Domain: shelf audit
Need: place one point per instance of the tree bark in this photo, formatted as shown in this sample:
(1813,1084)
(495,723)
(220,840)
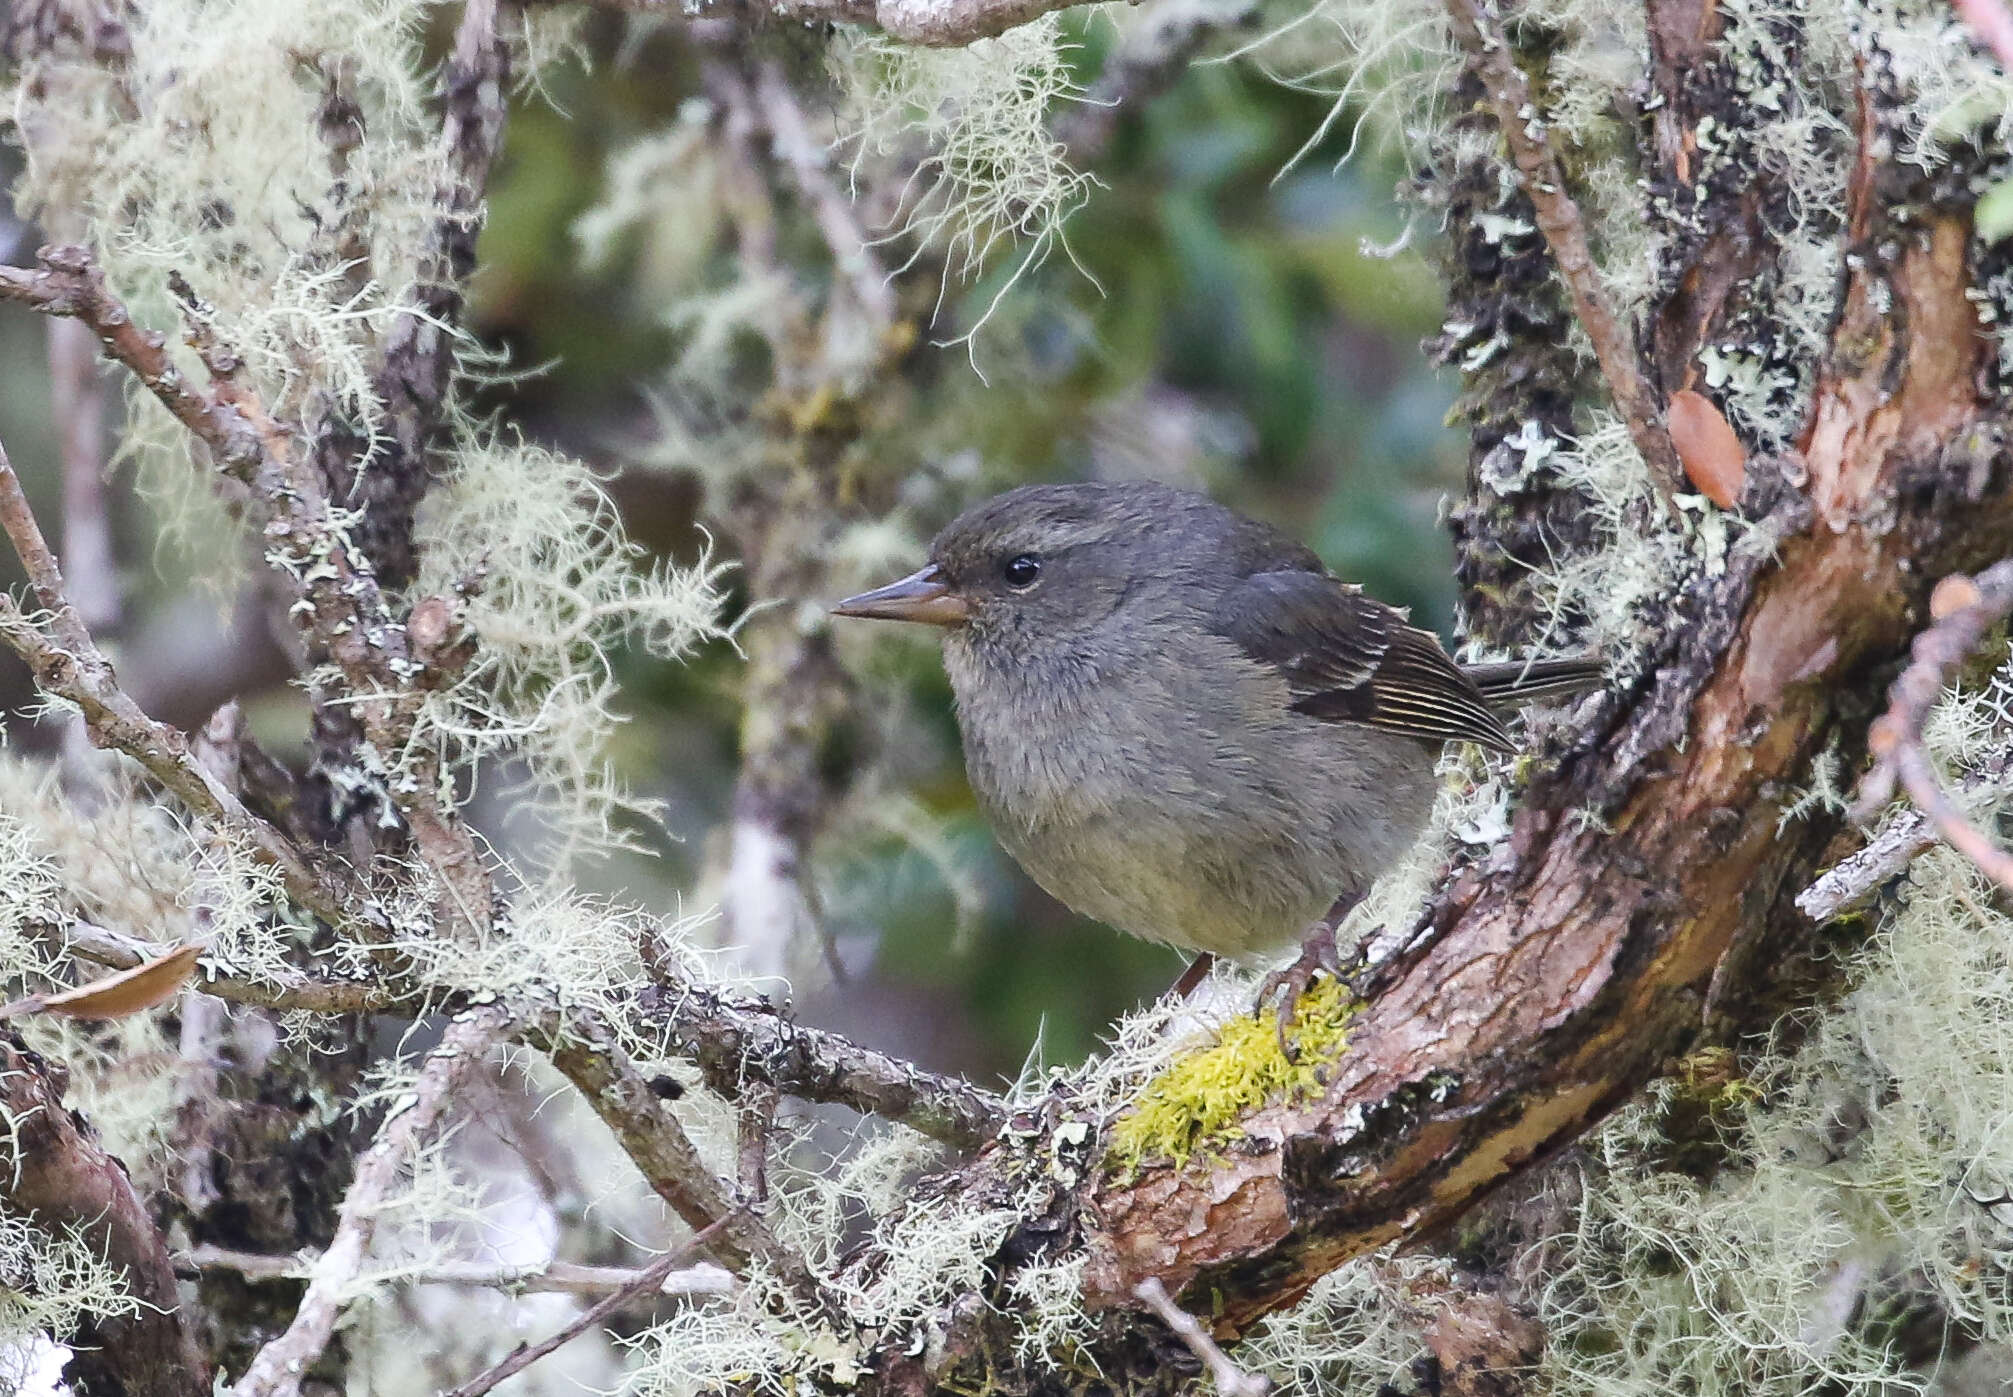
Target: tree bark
(65,1182)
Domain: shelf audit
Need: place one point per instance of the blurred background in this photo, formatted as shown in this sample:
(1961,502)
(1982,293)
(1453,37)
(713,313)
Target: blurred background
(1225,318)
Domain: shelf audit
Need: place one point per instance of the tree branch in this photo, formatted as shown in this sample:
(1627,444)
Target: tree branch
(1965,609)
(419,352)
(53,1171)
(584,1048)
(554,1278)
(280,1366)
(342,609)
(733,1042)
(70,666)
(1523,128)
(1860,875)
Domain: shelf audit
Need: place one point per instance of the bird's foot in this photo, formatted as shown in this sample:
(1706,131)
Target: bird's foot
(1319,955)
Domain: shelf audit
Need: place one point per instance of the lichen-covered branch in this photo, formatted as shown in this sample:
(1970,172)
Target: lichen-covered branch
(284,1362)
(1522,124)
(582,1046)
(419,352)
(67,663)
(53,1170)
(735,1041)
(344,611)
(1965,608)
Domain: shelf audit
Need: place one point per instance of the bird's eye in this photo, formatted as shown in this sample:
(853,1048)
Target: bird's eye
(1022,570)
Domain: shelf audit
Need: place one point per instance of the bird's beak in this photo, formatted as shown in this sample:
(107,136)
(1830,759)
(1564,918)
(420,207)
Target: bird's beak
(921,596)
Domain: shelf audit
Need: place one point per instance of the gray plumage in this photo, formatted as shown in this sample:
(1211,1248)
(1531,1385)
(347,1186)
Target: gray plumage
(1179,722)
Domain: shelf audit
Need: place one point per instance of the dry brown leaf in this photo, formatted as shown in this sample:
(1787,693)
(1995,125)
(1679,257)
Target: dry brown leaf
(1952,595)
(129,991)
(1713,458)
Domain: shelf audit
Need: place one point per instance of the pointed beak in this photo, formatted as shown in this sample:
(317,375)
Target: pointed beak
(921,596)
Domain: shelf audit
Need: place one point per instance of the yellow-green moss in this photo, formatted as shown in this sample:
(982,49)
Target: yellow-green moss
(1197,1103)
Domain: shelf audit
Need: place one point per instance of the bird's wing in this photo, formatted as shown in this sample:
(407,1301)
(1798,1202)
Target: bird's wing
(1350,658)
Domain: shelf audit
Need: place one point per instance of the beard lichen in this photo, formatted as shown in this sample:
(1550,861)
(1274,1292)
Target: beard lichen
(1196,1102)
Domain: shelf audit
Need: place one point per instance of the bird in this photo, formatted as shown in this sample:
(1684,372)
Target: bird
(1180,723)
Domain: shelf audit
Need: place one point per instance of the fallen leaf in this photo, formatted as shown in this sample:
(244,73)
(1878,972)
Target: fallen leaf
(129,991)
(1713,458)
(1952,595)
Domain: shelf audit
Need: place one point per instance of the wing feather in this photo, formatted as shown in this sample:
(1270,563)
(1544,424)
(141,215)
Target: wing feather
(1352,659)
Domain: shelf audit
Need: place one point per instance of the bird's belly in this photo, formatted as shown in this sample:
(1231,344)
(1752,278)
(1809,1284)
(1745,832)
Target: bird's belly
(1166,890)
(1212,818)
(1215,865)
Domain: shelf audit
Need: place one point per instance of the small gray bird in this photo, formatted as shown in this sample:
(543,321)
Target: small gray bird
(1181,724)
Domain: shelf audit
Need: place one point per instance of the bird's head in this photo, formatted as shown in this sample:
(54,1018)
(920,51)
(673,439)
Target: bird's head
(1045,565)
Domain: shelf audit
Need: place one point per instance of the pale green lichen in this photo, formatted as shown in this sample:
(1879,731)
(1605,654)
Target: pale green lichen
(555,587)
(49,1282)
(988,176)
(1357,1328)
(30,894)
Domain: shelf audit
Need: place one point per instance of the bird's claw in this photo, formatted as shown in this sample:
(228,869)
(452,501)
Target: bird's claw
(1318,954)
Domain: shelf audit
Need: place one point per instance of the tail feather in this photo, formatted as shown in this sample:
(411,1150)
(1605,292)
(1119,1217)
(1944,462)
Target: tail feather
(1514,683)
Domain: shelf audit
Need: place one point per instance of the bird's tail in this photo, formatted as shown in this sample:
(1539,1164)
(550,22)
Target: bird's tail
(1514,683)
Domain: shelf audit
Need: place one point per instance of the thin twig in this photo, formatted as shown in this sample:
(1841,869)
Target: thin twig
(1964,608)
(650,1279)
(1558,218)
(555,1277)
(67,663)
(1230,1380)
(278,1368)
(585,1048)
(67,282)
